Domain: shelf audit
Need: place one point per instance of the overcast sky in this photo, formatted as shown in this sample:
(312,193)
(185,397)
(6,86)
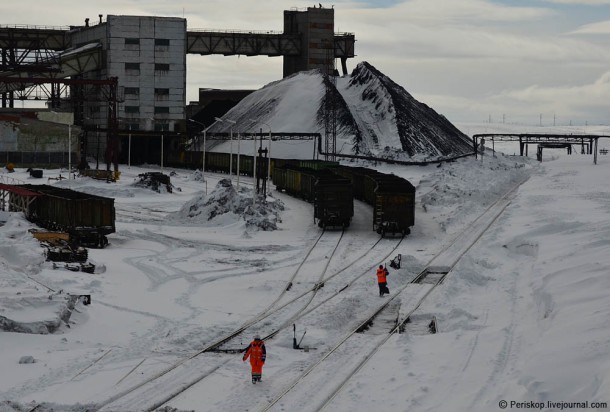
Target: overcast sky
(471,60)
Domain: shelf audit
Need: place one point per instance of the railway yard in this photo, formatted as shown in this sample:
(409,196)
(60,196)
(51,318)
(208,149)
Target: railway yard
(181,296)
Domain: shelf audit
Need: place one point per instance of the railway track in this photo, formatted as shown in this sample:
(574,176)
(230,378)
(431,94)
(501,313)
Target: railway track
(139,215)
(305,310)
(163,386)
(183,374)
(353,351)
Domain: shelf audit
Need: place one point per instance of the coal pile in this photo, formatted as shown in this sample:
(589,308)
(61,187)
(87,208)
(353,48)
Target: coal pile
(156,181)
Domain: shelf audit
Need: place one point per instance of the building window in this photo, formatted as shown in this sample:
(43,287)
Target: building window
(132,40)
(132,109)
(162,67)
(161,109)
(162,92)
(161,42)
(133,126)
(132,90)
(161,127)
(132,66)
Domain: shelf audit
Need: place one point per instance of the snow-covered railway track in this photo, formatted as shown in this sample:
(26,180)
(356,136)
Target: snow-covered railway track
(131,215)
(343,357)
(178,378)
(305,309)
(141,396)
(292,278)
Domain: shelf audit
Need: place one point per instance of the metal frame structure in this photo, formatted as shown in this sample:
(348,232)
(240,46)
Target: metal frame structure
(34,59)
(82,91)
(590,141)
(230,43)
(330,107)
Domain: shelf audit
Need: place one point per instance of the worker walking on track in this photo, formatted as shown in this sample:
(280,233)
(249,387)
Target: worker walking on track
(257,353)
(382,281)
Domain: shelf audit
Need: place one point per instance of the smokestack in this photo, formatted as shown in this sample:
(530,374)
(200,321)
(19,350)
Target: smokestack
(87,22)
(100,18)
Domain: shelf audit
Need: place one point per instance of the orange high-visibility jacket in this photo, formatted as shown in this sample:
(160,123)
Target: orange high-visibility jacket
(256,351)
(381,276)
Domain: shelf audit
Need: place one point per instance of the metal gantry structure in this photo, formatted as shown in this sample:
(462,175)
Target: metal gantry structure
(330,107)
(588,142)
(34,59)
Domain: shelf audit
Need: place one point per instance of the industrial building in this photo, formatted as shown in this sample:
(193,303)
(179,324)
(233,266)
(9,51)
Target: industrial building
(126,75)
(148,56)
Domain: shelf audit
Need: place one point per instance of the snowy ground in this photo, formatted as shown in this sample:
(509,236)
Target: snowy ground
(523,318)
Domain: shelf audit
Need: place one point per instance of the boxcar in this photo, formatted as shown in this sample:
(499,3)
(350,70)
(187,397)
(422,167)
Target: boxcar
(87,218)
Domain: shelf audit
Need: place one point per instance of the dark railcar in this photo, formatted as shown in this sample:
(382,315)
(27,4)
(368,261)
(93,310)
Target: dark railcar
(392,198)
(331,194)
(221,162)
(87,218)
(296,181)
(394,209)
(334,200)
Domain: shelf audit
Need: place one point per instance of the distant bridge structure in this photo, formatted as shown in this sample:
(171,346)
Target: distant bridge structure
(588,142)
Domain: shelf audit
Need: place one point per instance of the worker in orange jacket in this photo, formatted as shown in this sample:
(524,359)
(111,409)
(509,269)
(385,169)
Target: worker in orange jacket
(382,281)
(257,353)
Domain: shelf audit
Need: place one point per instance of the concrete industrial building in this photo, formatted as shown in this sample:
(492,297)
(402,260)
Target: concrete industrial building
(147,56)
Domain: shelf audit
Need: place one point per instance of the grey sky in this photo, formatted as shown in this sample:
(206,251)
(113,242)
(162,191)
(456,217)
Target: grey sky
(470,60)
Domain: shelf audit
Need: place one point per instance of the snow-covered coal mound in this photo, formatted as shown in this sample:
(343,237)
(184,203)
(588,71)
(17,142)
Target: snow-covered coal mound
(226,205)
(374,115)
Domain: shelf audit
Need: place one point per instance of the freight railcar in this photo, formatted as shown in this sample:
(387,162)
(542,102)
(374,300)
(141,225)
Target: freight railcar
(87,218)
(331,194)
(333,199)
(221,162)
(392,198)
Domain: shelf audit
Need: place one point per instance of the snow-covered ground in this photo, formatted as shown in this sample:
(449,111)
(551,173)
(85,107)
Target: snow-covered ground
(522,318)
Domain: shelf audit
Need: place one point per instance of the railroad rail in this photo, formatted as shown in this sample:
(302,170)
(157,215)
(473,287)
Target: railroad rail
(194,368)
(415,292)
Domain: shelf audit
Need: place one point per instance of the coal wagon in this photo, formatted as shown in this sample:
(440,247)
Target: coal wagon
(333,199)
(87,218)
(331,194)
(392,198)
